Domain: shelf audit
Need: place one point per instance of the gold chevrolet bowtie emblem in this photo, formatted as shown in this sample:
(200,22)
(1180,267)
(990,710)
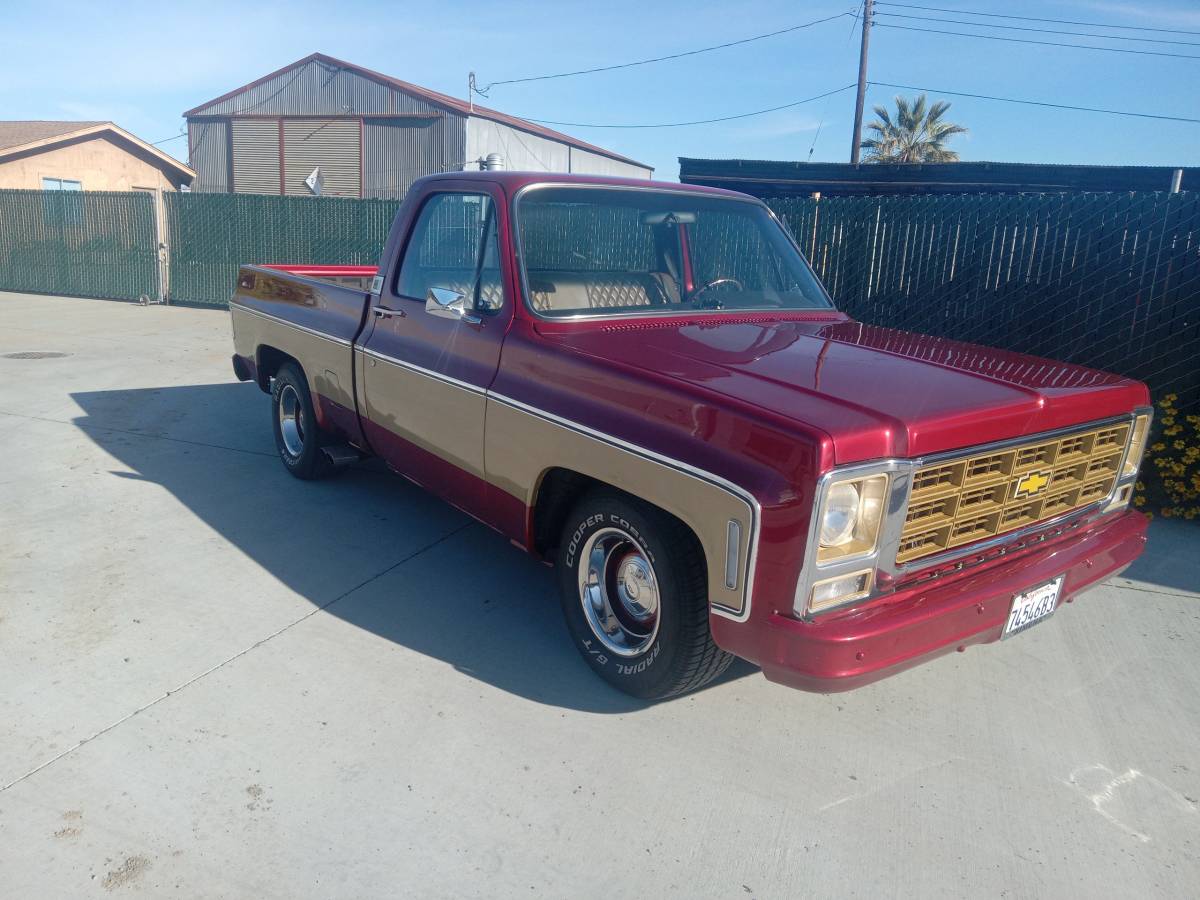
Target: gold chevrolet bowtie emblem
(1029,485)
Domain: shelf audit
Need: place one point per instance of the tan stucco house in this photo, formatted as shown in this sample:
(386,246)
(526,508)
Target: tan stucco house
(85,156)
(97,156)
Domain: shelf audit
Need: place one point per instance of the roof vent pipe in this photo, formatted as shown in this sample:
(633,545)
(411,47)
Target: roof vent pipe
(493,162)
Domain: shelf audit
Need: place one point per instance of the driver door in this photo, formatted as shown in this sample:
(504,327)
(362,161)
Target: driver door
(434,345)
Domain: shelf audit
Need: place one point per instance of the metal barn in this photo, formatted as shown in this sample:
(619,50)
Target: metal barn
(324,126)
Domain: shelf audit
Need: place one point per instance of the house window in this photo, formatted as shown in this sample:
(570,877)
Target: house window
(59,208)
(61,184)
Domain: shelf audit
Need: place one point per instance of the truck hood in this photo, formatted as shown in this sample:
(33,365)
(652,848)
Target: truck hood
(875,392)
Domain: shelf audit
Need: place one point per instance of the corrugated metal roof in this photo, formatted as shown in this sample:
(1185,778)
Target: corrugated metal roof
(439,100)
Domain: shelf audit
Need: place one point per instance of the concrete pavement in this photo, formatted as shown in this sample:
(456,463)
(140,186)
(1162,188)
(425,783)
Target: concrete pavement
(218,681)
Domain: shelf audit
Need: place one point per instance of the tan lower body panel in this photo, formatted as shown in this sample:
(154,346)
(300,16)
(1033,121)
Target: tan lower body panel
(519,445)
(435,415)
(326,361)
(522,445)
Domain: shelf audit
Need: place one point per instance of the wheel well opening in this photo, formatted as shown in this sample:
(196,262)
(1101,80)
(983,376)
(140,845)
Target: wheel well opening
(557,493)
(270,360)
(559,490)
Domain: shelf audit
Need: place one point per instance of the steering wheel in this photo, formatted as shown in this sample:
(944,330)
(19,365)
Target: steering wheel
(714,283)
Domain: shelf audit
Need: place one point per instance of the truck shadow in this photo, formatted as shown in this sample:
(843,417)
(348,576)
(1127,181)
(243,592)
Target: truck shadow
(367,547)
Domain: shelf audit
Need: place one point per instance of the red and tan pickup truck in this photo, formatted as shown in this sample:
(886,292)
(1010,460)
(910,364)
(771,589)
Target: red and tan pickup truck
(647,386)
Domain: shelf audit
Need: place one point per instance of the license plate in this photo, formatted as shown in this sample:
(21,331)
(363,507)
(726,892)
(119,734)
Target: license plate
(1032,606)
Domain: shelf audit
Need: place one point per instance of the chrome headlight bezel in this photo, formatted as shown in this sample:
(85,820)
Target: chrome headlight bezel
(894,476)
(1131,459)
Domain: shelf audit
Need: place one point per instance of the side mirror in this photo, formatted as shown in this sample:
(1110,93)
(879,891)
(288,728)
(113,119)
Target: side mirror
(447,304)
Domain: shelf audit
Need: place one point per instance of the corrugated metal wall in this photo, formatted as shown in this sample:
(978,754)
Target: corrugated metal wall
(208,152)
(525,152)
(333,145)
(522,151)
(256,156)
(422,139)
(396,152)
(588,163)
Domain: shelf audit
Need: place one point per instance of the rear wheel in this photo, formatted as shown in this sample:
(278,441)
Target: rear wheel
(633,584)
(297,436)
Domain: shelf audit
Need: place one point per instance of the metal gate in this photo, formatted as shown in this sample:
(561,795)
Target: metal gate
(78,243)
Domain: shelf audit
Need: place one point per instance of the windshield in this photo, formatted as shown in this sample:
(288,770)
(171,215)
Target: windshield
(589,251)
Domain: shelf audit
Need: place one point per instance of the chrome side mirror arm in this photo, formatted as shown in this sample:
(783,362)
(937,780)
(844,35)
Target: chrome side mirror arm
(449,304)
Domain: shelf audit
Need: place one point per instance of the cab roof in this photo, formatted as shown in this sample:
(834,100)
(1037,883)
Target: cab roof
(513,181)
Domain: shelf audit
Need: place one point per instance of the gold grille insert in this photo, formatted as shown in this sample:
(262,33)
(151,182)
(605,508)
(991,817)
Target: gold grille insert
(987,494)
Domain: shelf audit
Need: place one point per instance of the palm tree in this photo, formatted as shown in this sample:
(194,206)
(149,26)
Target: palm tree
(915,135)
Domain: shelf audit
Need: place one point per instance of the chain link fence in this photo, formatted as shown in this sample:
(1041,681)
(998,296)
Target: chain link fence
(78,243)
(211,235)
(1110,281)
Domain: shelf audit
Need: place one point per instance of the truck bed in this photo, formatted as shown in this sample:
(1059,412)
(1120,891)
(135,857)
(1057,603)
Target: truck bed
(312,314)
(347,276)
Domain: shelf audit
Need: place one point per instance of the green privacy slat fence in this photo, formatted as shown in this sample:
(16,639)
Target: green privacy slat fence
(1104,280)
(210,235)
(78,243)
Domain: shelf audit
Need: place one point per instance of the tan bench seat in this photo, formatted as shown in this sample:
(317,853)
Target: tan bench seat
(566,291)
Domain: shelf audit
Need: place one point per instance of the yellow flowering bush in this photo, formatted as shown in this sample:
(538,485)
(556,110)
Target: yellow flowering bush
(1171,471)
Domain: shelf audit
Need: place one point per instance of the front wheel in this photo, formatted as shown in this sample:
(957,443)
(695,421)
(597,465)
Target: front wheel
(634,590)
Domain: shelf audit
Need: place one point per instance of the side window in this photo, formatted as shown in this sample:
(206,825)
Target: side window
(453,245)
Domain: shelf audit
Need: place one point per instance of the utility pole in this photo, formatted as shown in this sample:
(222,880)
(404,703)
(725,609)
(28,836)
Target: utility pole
(868,10)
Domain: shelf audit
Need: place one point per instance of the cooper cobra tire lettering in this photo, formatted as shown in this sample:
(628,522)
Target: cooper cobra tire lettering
(675,652)
(573,544)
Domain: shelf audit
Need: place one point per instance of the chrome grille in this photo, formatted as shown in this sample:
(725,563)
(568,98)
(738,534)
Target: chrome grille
(994,492)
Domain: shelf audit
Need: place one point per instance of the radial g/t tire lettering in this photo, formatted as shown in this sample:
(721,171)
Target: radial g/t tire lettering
(633,585)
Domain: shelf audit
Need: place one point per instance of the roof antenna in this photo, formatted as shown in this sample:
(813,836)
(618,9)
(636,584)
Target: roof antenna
(471,91)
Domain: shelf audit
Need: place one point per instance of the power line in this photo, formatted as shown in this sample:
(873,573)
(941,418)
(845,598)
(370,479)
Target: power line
(176,137)
(968,12)
(644,62)
(993,37)
(1102,37)
(1093,109)
(758,112)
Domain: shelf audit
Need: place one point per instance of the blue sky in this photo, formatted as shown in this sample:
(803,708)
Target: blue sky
(142,64)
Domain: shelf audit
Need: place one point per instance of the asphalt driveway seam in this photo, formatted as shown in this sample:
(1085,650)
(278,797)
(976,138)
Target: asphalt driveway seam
(308,615)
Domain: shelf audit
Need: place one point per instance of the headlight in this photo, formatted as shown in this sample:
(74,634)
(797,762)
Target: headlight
(850,517)
(1137,445)
(840,515)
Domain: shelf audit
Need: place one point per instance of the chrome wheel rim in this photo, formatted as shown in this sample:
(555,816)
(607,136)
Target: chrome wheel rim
(619,592)
(291,421)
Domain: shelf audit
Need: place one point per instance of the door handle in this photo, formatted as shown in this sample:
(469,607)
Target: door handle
(385,312)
